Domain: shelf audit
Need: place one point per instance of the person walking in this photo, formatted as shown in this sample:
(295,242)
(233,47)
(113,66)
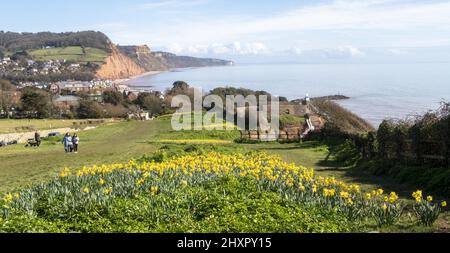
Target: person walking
(76,141)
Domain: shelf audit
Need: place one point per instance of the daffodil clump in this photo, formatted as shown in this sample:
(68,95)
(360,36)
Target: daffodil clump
(194,141)
(425,209)
(89,188)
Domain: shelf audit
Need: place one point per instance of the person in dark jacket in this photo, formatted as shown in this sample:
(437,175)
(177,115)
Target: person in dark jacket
(37,138)
(75,141)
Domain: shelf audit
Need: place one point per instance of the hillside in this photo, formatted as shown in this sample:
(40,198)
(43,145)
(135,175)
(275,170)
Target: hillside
(92,53)
(14,42)
(175,61)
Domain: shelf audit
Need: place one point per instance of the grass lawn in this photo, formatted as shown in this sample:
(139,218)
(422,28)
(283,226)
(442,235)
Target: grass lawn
(75,54)
(122,141)
(28,125)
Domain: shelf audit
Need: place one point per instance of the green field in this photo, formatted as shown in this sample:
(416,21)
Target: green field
(72,54)
(119,142)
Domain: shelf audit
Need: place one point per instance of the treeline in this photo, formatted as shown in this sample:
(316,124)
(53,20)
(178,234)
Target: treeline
(422,141)
(13,42)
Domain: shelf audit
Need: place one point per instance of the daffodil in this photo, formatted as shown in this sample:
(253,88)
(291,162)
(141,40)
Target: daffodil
(393,197)
(8,197)
(154,190)
(444,204)
(65,173)
(107,191)
(430,199)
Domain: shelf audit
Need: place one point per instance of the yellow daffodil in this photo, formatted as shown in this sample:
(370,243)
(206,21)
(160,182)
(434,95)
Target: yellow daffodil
(154,190)
(393,197)
(107,191)
(8,197)
(65,173)
(430,199)
(344,195)
(444,204)
(86,190)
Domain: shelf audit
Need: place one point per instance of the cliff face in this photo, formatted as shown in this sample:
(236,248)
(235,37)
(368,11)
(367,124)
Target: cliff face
(119,66)
(128,61)
(143,56)
(175,61)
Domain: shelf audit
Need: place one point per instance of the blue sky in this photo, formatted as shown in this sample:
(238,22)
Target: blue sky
(284,30)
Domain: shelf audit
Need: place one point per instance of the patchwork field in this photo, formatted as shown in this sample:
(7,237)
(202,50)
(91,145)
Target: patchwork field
(73,54)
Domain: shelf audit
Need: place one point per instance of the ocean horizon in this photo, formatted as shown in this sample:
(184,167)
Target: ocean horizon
(376,91)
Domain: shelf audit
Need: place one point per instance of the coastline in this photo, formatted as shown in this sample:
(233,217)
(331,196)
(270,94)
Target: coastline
(150,73)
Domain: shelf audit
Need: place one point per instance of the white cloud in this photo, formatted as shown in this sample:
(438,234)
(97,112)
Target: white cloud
(343,52)
(371,15)
(175,48)
(235,48)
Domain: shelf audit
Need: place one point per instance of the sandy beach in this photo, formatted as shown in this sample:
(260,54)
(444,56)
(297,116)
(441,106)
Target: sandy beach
(150,73)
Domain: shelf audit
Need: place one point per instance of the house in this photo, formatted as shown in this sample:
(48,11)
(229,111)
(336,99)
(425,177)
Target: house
(75,86)
(6,60)
(144,116)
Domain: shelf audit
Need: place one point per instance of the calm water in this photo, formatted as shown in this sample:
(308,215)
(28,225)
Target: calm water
(377,91)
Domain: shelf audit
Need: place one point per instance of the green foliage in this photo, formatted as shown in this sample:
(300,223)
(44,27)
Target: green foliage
(113,97)
(225,204)
(426,212)
(387,214)
(36,102)
(25,41)
(151,102)
(88,109)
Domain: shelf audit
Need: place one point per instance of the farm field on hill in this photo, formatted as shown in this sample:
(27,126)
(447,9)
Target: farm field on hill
(73,54)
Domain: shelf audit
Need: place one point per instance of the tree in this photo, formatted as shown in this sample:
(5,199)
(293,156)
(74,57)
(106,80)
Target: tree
(36,102)
(6,96)
(283,99)
(384,138)
(89,110)
(113,97)
(150,102)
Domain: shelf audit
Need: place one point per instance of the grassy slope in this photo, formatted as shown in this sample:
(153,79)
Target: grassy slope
(116,142)
(75,54)
(120,142)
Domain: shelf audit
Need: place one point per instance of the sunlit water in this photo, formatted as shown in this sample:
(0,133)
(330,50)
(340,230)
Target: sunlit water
(377,91)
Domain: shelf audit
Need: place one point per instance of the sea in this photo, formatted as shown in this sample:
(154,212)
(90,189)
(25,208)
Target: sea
(376,91)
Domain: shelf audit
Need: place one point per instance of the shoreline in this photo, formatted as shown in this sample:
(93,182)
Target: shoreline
(150,73)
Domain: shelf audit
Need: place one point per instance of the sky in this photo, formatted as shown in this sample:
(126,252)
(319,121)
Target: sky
(254,30)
